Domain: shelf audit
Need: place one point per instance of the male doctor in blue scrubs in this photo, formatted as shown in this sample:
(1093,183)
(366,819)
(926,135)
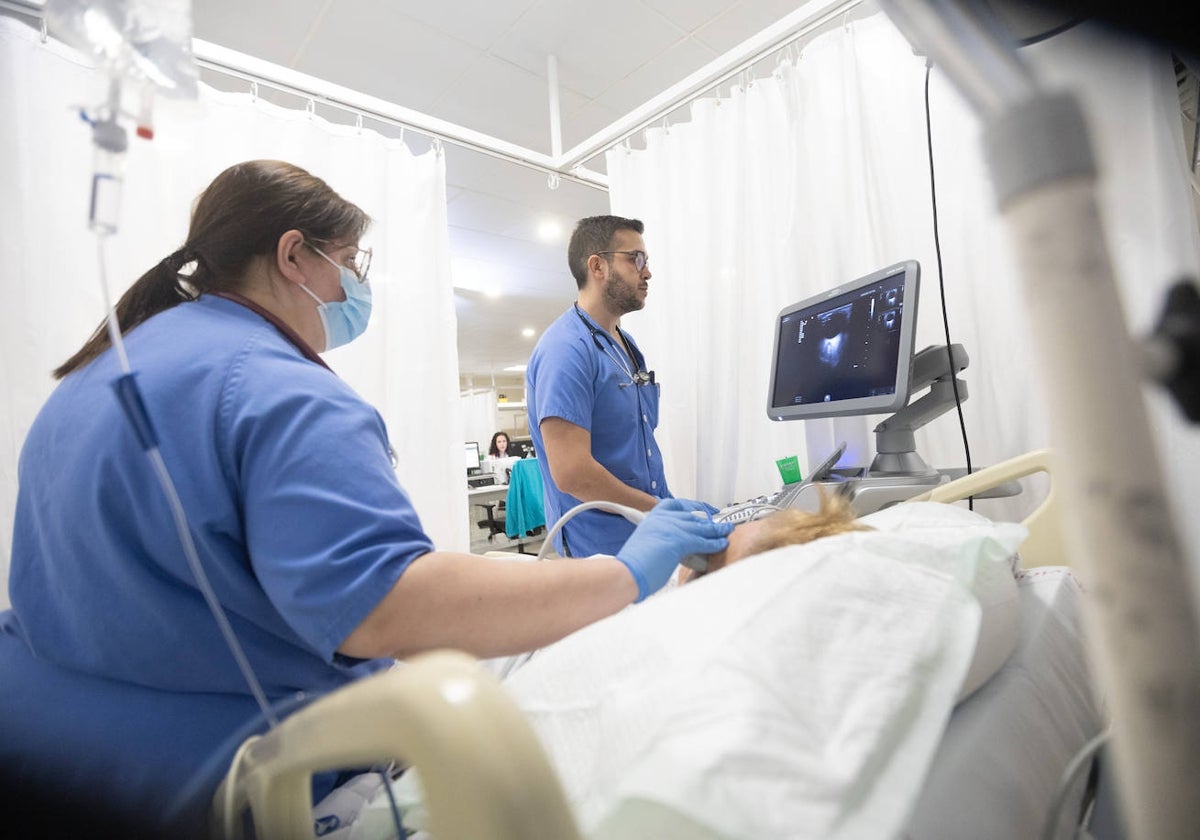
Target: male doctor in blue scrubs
(593,404)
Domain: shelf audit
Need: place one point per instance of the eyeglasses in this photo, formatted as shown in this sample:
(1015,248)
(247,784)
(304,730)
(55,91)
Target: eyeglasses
(360,264)
(640,260)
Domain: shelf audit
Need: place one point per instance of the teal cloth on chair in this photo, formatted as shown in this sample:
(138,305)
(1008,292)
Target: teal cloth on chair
(524,508)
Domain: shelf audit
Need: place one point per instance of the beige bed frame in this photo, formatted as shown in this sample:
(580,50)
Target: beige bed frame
(484,774)
(1044,546)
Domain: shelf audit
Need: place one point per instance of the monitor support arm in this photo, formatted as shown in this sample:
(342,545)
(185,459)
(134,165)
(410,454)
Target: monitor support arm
(895,442)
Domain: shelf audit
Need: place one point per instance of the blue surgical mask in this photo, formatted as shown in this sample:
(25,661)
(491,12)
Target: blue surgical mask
(344,320)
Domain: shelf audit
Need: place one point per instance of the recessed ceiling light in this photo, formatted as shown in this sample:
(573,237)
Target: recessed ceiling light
(515,369)
(528,332)
(549,231)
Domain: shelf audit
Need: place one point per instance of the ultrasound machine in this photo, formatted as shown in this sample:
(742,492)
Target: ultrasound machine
(850,351)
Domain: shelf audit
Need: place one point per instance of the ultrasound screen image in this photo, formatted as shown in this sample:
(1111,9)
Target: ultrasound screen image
(841,349)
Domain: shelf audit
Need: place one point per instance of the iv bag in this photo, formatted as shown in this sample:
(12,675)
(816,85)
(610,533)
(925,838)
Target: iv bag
(146,41)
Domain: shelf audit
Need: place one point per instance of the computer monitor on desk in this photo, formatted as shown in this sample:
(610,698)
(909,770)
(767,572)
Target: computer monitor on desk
(850,351)
(471,457)
(519,447)
(500,467)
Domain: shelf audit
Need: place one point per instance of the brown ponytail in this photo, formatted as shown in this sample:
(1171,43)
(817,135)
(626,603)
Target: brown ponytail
(155,291)
(239,216)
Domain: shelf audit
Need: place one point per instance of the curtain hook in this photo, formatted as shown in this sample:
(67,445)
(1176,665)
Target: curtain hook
(45,31)
(253,91)
(311,108)
(358,122)
(783,60)
(846,21)
(437,146)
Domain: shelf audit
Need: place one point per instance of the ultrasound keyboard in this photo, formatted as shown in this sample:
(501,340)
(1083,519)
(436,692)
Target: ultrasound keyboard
(782,499)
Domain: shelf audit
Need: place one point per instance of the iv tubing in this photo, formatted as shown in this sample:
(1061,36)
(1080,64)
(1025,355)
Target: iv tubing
(172,496)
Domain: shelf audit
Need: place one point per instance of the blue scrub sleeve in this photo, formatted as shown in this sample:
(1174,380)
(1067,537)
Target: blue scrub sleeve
(563,377)
(328,528)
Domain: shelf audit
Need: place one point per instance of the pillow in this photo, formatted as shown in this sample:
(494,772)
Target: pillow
(807,686)
(991,579)
(799,693)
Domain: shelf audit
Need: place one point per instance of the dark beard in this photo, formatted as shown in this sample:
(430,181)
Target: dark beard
(619,297)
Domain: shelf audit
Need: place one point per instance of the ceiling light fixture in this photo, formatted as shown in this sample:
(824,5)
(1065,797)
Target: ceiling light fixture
(528,332)
(549,231)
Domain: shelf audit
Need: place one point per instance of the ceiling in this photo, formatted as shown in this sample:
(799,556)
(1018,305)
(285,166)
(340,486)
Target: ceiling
(483,65)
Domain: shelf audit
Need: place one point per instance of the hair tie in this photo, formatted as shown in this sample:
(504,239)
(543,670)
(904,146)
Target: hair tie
(179,258)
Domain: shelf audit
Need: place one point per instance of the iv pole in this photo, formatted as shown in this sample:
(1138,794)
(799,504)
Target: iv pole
(1142,632)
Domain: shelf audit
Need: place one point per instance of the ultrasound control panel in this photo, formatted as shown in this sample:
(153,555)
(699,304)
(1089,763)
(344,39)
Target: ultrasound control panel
(865,492)
(790,495)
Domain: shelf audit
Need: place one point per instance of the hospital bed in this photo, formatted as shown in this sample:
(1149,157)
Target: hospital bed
(484,773)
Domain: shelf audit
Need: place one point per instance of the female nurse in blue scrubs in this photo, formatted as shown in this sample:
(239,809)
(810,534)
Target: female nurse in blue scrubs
(116,687)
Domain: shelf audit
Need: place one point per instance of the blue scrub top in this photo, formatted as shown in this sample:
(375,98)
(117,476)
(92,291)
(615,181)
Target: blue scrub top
(285,475)
(585,378)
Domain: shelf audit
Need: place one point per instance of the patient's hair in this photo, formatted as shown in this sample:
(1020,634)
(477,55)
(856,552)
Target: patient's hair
(788,527)
(793,527)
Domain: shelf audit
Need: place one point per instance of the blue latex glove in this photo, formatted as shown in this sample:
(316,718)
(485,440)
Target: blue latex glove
(694,504)
(672,530)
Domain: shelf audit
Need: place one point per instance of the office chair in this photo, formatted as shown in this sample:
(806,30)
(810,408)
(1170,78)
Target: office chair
(495,518)
(495,513)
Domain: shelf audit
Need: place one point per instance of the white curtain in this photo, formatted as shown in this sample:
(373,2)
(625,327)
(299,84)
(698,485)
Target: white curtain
(481,417)
(819,174)
(406,364)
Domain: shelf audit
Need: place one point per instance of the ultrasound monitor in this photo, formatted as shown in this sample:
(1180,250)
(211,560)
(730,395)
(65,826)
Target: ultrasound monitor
(848,350)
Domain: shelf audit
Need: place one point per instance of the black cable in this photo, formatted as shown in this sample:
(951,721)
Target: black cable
(397,821)
(1051,32)
(937,245)
(1196,132)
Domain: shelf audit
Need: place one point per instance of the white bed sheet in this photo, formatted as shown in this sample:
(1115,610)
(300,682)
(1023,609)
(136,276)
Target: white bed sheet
(1005,747)
(800,694)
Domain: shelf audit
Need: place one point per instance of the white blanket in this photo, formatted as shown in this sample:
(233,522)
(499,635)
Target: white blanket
(798,694)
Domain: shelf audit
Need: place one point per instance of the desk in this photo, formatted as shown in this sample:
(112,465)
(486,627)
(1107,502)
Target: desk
(524,510)
(491,493)
(481,539)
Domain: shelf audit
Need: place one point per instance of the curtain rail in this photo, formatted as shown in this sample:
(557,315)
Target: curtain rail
(568,166)
(230,63)
(247,68)
(804,20)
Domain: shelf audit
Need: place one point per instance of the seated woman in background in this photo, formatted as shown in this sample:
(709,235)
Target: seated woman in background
(499,459)
(499,445)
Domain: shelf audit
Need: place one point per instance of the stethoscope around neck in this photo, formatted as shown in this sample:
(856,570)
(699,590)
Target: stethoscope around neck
(641,376)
